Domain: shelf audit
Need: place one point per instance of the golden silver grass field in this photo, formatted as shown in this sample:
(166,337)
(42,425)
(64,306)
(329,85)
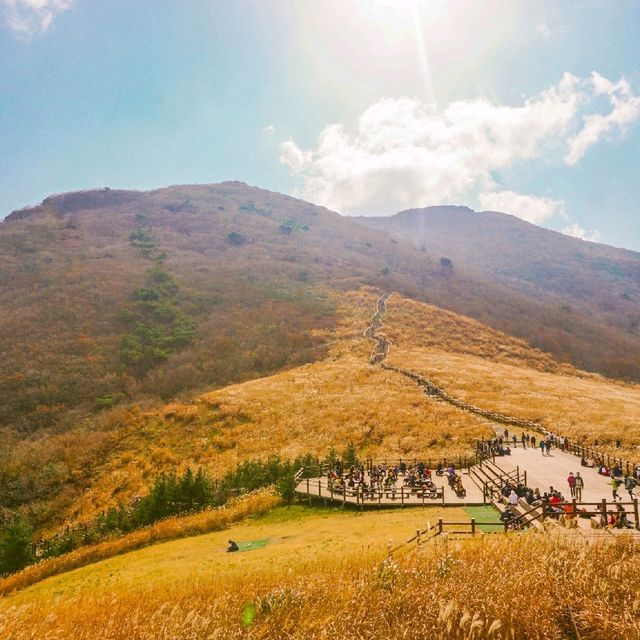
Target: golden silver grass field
(440,590)
(319,320)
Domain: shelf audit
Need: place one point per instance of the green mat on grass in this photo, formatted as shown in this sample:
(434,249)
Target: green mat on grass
(485,514)
(253,544)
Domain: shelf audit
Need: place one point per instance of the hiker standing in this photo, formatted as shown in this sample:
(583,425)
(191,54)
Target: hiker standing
(571,481)
(630,485)
(579,486)
(542,447)
(615,483)
(515,440)
(524,440)
(533,441)
(547,446)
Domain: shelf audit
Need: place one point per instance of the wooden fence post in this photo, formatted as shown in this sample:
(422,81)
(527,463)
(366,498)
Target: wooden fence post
(635,513)
(473,526)
(603,507)
(402,495)
(440,525)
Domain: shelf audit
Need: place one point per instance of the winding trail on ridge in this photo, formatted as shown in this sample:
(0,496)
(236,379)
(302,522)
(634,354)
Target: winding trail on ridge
(380,351)
(542,471)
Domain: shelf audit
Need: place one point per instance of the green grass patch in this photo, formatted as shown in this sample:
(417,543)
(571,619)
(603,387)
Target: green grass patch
(485,514)
(251,545)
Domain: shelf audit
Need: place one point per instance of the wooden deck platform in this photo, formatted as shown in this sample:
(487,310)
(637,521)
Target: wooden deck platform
(318,487)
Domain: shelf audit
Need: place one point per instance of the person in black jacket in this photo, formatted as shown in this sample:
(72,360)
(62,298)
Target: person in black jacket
(233,546)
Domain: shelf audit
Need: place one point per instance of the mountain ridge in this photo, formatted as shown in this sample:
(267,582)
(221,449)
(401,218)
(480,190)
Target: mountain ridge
(217,246)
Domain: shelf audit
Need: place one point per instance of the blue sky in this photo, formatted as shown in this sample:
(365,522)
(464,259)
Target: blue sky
(367,106)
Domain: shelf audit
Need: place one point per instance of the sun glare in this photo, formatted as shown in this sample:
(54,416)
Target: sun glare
(411,17)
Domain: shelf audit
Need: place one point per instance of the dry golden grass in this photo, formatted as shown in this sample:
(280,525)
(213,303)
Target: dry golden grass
(501,374)
(416,325)
(342,398)
(312,408)
(297,536)
(446,590)
(168,529)
(326,576)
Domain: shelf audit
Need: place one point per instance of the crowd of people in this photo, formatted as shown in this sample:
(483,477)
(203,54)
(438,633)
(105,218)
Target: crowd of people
(502,444)
(418,479)
(388,479)
(557,506)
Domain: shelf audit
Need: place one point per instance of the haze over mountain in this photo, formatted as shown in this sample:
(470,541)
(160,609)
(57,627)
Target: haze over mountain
(577,277)
(109,295)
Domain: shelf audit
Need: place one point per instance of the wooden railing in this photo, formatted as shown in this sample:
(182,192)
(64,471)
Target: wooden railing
(469,527)
(492,480)
(608,460)
(542,511)
(579,450)
(313,488)
(601,509)
(459,462)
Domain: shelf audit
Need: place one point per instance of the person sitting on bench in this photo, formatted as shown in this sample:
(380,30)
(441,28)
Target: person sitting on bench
(507,516)
(622,522)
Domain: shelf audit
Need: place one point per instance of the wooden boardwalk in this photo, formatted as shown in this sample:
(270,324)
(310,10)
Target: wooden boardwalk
(399,496)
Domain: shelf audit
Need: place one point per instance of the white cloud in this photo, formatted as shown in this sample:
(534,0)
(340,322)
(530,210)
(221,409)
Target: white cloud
(625,109)
(530,208)
(269,131)
(403,153)
(576,231)
(27,18)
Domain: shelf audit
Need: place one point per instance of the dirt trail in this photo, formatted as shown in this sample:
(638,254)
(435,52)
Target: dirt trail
(380,342)
(379,354)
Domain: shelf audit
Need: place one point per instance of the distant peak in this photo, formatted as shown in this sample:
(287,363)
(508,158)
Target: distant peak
(442,208)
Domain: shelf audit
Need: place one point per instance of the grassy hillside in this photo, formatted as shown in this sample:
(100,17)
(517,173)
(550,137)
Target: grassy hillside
(112,296)
(326,575)
(325,405)
(310,409)
(592,291)
(236,306)
(501,374)
(296,535)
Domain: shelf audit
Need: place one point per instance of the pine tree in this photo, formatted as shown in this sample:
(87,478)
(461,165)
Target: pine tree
(16,551)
